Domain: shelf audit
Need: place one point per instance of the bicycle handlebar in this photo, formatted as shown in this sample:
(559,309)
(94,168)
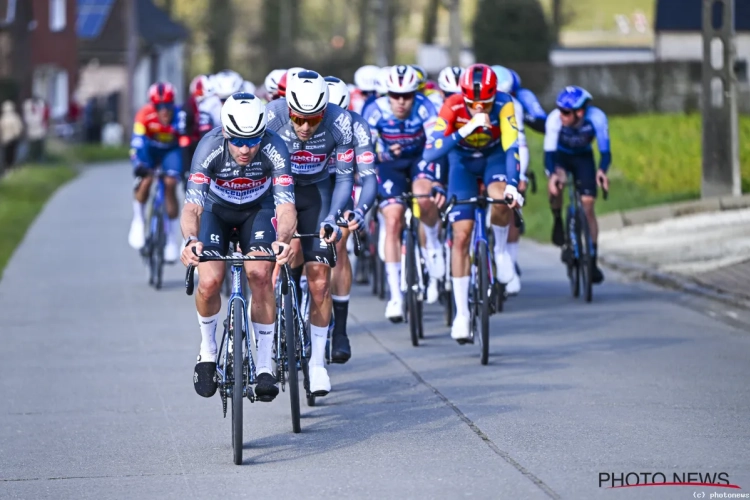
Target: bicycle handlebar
(518,219)
(190,275)
(357,241)
(327,232)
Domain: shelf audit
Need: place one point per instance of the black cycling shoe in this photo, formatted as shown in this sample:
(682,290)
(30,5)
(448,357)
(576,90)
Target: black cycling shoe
(558,235)
(204,378)
(265,388)
(567,256)
(341,351)
(597,276)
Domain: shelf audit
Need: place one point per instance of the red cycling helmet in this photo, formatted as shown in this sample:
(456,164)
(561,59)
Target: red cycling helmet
(161,93)
(479,83)
(282,86)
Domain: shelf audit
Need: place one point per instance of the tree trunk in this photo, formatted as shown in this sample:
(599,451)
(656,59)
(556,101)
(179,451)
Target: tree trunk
(557,19)
(456,33)
(220,27)
(364,28)
(430,22)
(383,33)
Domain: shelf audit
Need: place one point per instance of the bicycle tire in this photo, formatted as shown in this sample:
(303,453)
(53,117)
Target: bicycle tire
(586,262)
(290,335)
(237,385)
(420,319)
(448,306)
(411,296)
(574,274)
(157,250)
(483,286)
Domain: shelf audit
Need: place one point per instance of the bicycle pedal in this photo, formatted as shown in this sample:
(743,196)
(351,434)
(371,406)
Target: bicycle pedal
(464,341)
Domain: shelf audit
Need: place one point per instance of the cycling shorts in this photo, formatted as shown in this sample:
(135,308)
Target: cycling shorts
(256,226)
(583,168)
(464,171)
(313,203)
(170,160)
(396,177)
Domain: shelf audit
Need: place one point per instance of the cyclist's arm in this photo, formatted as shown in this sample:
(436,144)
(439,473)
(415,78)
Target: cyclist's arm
(509,139)
(551,136)
(443,137)
(139,141)
(364,154)
(534,114)
(190,219)
(371,113)
(523,149)
(601,125)
(344,151)
(277,155)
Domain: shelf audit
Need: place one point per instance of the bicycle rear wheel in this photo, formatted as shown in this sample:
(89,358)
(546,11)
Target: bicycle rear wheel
(239,379)
(411,295)
(158,241)
(586,262)
(483,288)
(574,271)
(290,334)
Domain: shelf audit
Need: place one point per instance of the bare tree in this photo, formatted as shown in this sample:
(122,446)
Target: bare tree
(429,29)
(220,26)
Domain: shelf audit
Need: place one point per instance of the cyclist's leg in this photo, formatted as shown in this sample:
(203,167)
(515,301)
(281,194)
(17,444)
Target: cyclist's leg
(555,204)
(172,166)
(422,182)
(584,168)
(142,168)
(213,234)
(394,181)
(462,184)
(341,287)
(500,219)
(317,198)
(256,236)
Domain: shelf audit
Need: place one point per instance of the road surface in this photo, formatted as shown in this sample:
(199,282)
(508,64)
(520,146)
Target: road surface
(97,398)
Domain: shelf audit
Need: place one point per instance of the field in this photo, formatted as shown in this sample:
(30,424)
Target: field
(656,159)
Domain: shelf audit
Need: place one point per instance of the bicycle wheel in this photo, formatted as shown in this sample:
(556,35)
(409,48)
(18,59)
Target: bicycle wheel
(483,288)
(226,285)
(290,335)
(448,306)
(586,262)
(239,379)
(574,274)
(157,250)
(411,294)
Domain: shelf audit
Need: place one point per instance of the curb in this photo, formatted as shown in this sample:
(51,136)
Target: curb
(674,282)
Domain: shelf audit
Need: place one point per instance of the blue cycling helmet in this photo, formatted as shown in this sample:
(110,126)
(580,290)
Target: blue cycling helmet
(504,79)
(573,98)
(516,81)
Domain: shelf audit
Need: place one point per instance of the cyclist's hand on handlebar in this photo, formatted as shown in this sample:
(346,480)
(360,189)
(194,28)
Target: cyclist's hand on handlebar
(552,185)
(286,255)
(395,150)
(511,192)
(188,257)
(356,222)
(602,179)
(438,195)
(335,234)
(522,185)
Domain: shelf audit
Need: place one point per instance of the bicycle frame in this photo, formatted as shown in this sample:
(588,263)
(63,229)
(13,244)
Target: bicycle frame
(575,208)
(157,199)
(479,236)
(412,211)
(298,317)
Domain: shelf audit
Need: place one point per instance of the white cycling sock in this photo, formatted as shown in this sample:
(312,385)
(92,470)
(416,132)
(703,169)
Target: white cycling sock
(501,238)
(461,294)
(173,227)
(431,235)
(319,336)
(513,251)
(138,210)
(264,339)
(393,272)
(208,334)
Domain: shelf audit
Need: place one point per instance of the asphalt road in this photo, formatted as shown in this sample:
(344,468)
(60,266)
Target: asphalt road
(96,398)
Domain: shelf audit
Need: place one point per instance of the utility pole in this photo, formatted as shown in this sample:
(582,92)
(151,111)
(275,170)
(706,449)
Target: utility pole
(131,44)
(456,32)
(721,162)
(285,33)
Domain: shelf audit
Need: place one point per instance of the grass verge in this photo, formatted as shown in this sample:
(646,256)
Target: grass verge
(23,193)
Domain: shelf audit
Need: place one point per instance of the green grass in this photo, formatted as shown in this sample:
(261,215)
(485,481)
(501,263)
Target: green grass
(23,193)
(656,159)
(95,153)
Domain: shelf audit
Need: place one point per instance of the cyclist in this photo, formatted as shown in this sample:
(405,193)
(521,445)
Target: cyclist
(240,178)
(533,113)
(341,279)
(571,128)
(426,89)
(226,83)
(448,81)
(478,131)
(287,76)
(400,123)
(271,83)
(381,88)
(156,140)
(313,132)
(366,80)
(248,87)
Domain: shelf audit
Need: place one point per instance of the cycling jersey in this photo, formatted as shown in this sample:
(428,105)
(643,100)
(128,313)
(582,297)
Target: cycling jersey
(577,140)
(411,133)
(533,113)
(435,97)
(216,180)
(523,149)
(154,143)
(210,114)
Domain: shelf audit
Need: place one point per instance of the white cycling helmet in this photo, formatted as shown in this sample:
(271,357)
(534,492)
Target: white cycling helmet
(338,92)
(380,85)
(504,78)
(449,78)
(226,83)
(307,93)
(248,87)
(366,78)
(272,81)
(243,116)
(402,79)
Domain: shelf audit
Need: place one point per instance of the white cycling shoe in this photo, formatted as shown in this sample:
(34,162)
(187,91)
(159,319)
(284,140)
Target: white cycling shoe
(171,251)
(514,285)
(137,235)
(460,329)
(432,291)
(505,268)
(320,383)
(394,310)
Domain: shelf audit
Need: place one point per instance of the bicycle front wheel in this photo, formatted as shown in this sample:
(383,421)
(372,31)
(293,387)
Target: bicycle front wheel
(483,288)
(237,315)
(290,334)
(411,294)
(586,261)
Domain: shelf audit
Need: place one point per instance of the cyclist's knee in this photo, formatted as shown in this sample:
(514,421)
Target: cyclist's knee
(209,284)
(318,282)
(392,222)
(461,237)
(259,278)
(170,182)
(588,205)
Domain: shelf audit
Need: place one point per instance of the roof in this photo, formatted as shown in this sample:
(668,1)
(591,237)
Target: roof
(154,25)
(687,15)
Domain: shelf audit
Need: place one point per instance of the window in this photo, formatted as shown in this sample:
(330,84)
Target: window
(57,20)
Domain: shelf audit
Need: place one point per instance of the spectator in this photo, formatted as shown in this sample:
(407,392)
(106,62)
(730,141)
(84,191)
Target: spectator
(11,130)
(35,116)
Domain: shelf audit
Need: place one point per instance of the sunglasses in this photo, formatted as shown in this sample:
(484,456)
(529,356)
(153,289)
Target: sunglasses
(164,105)
(241,141)
(479,105)
(406,97)
(310,120)
(566,112)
